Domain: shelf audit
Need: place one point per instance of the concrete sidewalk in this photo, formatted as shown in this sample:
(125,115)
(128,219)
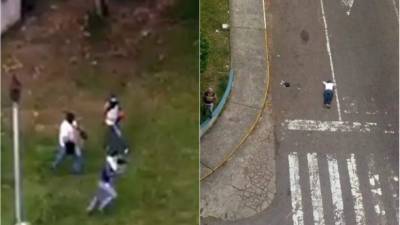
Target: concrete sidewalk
(246,184)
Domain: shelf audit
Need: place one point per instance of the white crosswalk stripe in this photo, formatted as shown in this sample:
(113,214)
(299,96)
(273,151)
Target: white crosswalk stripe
(315,185)
(336,189)
(297,208)
(376,192)
(394,187)
(355,191)
(337,199)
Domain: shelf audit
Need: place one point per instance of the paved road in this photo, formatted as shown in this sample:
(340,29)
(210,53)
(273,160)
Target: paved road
(334,166)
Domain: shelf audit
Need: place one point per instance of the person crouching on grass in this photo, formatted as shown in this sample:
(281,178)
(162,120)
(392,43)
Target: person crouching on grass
(70,135)
(106,192)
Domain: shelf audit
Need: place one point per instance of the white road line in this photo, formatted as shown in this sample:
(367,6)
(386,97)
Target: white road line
(328,48)
(376,191)
(315,185)
(331,126)
(395,9)
(265,19)
(336,190)
(297,207)
(355,191)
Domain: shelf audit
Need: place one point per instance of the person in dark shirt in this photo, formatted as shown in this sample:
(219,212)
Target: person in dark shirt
(209,99)
(106,192)
(114,140)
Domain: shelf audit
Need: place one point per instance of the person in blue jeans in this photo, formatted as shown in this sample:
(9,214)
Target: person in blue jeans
(106,192)
(328,93)
(69,136)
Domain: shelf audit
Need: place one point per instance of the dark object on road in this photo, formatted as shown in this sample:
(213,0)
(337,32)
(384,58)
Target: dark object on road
(285,83)
(304,36)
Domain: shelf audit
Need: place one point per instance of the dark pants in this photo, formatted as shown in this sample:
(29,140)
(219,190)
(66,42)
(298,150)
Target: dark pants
(103,197)
(77,155)
(208,108)
(114,140)
(328,95)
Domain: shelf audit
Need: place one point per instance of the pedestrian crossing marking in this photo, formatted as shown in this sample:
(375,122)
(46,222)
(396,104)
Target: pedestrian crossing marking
(394,187)
(337,199)
(330,126)
(315,185)
(373,178)
(355,190)
(297,208)
(376,192)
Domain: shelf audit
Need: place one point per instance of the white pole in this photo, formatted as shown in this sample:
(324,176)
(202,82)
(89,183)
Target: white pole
(15,93)
(17,168)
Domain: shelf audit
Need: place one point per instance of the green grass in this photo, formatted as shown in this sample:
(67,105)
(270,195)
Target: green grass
(161,184)
(213,14)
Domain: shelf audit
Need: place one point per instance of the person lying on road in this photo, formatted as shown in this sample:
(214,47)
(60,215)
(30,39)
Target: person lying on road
(328,92)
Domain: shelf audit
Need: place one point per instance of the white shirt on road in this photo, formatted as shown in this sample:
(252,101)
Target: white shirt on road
(329,85)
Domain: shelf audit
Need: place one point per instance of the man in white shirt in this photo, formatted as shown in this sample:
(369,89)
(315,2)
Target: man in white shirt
(328,92)
(69,143)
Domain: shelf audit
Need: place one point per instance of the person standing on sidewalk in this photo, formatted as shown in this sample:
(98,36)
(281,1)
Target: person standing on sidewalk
(328,92)
(69,143)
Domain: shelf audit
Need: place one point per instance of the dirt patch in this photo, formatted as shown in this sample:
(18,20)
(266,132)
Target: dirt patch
(52,46)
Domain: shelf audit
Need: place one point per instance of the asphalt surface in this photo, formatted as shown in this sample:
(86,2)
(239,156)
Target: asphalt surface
(364,48)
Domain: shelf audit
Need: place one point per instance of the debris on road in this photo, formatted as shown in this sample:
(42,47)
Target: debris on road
(285,83)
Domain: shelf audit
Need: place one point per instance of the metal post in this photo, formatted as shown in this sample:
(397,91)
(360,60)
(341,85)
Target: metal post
(17,173)
(15,94)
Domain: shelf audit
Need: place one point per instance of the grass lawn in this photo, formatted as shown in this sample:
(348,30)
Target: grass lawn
(213,14)
(160,99)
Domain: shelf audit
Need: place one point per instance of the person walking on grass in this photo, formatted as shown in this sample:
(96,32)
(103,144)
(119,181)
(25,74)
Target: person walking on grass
(328,92)
(106,192)
(209,98)
(113,116)
(69,138)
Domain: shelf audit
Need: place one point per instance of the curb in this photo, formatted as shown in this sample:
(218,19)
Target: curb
(206,125)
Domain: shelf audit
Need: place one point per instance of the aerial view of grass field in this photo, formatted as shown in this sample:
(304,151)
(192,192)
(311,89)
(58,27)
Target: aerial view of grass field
(69,59)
